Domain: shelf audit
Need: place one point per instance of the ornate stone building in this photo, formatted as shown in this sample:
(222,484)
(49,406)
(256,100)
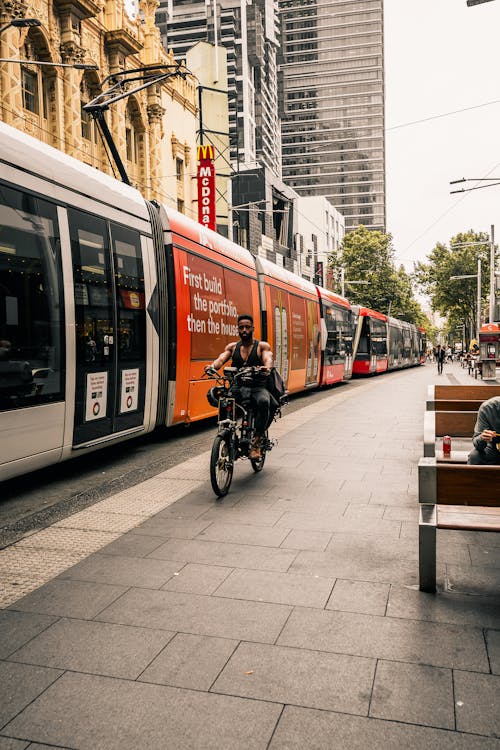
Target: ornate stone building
(154,130)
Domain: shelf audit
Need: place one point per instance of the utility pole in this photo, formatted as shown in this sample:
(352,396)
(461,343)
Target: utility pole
(478,297)
(492,275)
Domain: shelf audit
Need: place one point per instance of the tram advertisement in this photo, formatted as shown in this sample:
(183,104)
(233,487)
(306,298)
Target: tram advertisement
(217,295)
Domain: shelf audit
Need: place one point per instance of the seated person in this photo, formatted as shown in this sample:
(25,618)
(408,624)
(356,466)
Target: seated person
(245,353)
(486,439)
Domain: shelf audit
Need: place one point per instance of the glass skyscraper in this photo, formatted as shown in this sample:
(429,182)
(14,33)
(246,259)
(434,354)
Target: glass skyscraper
(332,79)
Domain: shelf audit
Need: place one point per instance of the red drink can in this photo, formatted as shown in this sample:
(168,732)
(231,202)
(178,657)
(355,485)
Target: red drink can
(446,445)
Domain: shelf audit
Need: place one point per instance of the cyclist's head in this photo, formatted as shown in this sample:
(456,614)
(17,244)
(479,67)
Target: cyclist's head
(245,327)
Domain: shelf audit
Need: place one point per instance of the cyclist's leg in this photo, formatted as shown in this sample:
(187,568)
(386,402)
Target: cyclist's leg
(261,399)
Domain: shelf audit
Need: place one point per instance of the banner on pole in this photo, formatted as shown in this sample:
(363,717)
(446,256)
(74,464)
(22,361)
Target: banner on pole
(206,187)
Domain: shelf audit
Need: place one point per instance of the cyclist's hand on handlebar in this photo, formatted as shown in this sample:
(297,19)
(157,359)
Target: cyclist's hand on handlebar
(209,370)
(265,370)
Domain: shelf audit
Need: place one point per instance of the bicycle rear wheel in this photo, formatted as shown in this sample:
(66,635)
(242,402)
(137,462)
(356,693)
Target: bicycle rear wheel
(221,465)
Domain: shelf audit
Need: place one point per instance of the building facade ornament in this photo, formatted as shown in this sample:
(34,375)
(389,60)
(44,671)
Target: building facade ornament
(48,101)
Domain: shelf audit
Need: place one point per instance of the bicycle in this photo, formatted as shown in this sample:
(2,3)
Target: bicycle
(235,426)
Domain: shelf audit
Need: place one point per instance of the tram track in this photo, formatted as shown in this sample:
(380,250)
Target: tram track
(37,500)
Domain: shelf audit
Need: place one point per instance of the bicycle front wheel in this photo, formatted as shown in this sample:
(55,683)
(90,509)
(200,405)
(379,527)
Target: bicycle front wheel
(221,465)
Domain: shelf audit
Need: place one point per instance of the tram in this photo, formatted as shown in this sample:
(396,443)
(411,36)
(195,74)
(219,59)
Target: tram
(382,343)
(111,306)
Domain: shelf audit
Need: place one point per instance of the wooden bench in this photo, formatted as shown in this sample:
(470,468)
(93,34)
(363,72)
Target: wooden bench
(439,397)
(456,424)
(453,496)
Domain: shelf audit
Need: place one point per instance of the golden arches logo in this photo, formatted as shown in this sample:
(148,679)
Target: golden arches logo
(205,152)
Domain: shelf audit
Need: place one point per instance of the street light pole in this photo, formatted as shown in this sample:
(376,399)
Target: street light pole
(478,300)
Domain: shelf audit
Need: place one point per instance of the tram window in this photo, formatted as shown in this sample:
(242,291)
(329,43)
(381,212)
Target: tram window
(31,302)
(363,345)
(129,276)
(92,279)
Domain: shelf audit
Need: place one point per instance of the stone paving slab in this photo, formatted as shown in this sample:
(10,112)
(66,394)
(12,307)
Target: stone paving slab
(94,647)
(413,693)
(281,588)
(199,615)
(132,545)
(359,596)
(124,571)
(440,645)
(10,744)
(198,579)
(306,540)
(229,555)
(449,607)
(17,628)
(76,712)
(172,528)
(306,678)
(478,699)
(378,570)
(20,684)
(70,598)
(493,645)
(190,661)
(261,536)
(301,728)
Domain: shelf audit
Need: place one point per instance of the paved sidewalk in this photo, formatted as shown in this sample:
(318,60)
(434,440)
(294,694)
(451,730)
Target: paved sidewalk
(285,616)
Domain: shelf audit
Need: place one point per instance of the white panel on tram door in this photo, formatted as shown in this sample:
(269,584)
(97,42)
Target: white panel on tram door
(110,325)
(95,376)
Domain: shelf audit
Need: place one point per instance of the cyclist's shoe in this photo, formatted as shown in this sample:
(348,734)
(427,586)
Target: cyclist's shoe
(255,447)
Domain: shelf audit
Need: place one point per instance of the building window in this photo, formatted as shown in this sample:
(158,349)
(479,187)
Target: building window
(179,169)
(131,145)
(180,205)
(87,122)
(30,91)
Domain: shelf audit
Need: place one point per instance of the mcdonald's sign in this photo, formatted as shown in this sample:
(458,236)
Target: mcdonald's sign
(206,187)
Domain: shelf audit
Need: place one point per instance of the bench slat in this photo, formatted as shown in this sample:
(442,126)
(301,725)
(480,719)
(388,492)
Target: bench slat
(465,391)
(468,518)
(458,404)
(455,423)
(470,485)
(456,457)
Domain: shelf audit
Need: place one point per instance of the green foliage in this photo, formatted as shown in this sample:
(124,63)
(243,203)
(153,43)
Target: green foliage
(456,299)
(368,255)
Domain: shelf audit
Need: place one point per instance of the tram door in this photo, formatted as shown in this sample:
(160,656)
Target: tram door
(110,327)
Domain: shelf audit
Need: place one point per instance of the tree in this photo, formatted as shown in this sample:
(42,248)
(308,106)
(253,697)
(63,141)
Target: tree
(368,255)
(456,299)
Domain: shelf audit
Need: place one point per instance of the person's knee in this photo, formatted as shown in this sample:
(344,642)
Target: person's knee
(475,458)
(482,458)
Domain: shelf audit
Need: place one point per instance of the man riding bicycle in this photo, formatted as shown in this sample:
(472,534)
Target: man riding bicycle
(249,352)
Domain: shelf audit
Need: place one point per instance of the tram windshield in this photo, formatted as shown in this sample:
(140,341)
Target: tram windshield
(31,301)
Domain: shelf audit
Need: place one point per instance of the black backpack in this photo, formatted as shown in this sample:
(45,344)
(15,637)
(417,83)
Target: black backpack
(276,387)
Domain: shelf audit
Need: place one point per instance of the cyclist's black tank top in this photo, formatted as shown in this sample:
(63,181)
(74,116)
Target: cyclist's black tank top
(253,359)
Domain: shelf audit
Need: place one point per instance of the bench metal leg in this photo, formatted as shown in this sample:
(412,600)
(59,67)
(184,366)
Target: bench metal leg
(427,547)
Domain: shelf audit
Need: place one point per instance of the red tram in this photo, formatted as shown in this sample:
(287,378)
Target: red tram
(383,343)
(111,306)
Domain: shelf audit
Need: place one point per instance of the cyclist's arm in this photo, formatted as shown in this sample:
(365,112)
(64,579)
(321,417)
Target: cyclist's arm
(224,357)
(266,355)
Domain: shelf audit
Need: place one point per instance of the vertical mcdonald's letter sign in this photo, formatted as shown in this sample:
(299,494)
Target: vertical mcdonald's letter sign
(206,187)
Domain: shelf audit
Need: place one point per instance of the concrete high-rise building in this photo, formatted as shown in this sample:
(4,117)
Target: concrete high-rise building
(249,32)
(332,67)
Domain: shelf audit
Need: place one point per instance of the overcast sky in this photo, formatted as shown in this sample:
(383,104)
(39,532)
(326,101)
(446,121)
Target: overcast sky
(440,56)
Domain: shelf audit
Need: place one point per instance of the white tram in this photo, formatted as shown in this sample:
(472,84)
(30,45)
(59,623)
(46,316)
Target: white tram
(76,256)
